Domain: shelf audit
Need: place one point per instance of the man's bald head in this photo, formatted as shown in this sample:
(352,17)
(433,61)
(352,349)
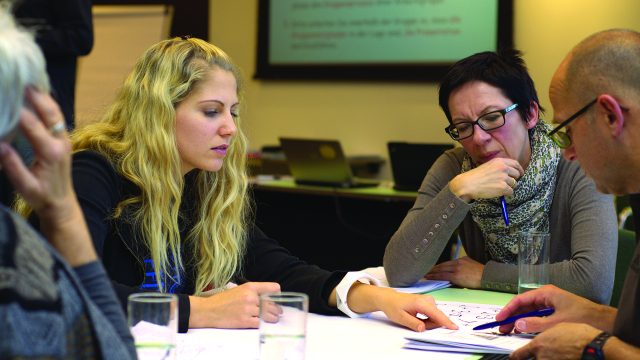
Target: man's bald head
(605,67)
(607,61)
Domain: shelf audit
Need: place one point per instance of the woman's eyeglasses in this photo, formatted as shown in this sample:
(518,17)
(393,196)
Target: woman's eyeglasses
(487,122)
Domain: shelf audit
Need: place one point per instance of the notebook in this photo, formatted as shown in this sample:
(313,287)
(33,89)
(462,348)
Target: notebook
(411,161)
(320,163)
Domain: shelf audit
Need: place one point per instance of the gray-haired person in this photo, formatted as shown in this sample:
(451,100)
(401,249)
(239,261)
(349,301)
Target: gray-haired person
(56,301)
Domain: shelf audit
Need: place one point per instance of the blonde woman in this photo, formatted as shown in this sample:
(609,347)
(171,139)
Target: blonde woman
(162,182)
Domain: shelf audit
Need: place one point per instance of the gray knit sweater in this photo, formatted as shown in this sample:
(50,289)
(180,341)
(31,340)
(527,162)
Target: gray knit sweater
(582,224)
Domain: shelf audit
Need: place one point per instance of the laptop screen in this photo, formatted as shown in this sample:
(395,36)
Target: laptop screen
(316,161)
(411,161)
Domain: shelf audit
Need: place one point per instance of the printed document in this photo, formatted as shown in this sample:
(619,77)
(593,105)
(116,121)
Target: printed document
(466,340)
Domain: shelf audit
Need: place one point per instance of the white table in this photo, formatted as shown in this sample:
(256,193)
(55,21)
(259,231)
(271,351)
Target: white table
(328,337)
(331,337)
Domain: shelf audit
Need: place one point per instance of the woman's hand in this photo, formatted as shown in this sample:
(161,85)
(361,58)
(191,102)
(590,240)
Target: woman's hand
(464,272)
(399,307)
(46,185)
(492,179)
(404,308)
(238,307)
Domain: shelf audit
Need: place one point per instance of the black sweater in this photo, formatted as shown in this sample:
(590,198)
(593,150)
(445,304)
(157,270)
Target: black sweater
(100,188)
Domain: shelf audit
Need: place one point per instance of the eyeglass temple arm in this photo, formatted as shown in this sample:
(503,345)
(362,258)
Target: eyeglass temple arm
(566,122)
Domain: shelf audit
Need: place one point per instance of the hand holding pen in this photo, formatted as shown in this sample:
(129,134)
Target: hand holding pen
(512,319)
(567,307)
(492,179)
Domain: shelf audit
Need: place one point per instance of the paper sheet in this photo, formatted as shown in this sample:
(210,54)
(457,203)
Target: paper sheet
(467,316)
(421,287)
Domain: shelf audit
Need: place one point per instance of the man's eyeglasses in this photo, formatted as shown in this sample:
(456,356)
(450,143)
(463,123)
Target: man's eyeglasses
(487,122)
(561,138)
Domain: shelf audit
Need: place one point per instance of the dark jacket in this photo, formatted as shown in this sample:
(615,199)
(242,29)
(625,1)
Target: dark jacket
(63,30)
(100,188)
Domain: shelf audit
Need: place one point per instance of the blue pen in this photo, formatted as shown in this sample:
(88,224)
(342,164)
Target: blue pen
(505,214)
(456,253)
(512,319)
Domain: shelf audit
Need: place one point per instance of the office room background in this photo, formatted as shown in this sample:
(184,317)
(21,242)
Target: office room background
(364,116)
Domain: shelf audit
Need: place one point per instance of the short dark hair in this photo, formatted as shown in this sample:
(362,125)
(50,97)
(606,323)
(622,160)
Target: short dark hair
(504,69)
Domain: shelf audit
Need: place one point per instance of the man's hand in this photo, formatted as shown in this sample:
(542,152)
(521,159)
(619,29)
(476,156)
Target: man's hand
(563,341)
(568,308)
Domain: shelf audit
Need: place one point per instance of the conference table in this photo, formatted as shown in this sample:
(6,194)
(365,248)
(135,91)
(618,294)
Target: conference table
(313,221)
(333,337)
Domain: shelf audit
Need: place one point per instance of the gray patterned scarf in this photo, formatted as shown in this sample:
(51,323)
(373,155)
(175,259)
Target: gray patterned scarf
(528,206)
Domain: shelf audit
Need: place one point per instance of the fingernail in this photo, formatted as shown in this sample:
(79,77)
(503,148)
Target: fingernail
(521,325)
(420,328)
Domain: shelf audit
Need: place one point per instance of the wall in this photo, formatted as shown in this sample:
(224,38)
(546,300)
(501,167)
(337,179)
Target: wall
(365,116)
(102,72)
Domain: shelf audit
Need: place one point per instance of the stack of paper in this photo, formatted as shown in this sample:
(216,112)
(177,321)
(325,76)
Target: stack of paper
(424,286)
(466,340)
(421,287)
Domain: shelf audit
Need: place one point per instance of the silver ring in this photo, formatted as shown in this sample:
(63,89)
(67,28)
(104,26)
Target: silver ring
(57,128)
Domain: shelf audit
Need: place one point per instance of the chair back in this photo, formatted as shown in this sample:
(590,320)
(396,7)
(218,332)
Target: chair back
(626,247)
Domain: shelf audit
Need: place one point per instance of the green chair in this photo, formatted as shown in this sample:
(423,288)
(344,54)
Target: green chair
(625,214)
(625,219)
(626,247)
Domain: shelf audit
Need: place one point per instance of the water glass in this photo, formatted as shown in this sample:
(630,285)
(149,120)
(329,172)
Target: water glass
(283,325)
(533,260)
(153,320)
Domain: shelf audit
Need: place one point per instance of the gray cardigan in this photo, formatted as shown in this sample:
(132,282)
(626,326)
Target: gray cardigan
(582,223)
(46,303)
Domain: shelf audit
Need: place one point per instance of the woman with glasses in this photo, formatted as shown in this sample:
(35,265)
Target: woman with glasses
(507,177)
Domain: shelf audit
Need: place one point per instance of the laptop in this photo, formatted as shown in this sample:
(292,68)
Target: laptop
(411,161)
(320,163)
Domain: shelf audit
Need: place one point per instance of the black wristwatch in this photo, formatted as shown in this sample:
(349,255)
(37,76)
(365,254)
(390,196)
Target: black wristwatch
(593,350)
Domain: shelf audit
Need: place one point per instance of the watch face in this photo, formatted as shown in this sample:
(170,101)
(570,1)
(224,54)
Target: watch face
(592,352)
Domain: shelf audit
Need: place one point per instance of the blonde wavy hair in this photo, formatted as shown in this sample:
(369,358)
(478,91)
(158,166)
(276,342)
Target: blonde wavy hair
(137,134)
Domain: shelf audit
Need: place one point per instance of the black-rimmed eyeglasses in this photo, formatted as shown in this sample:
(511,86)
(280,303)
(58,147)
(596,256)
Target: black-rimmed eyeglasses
(561,138)
(487,122)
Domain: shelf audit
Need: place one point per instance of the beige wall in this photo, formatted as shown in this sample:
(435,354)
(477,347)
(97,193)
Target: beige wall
(364,116)
(115,50)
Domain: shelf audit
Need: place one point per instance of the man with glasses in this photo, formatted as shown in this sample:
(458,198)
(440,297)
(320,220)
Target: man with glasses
(603,72)
(493,111)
